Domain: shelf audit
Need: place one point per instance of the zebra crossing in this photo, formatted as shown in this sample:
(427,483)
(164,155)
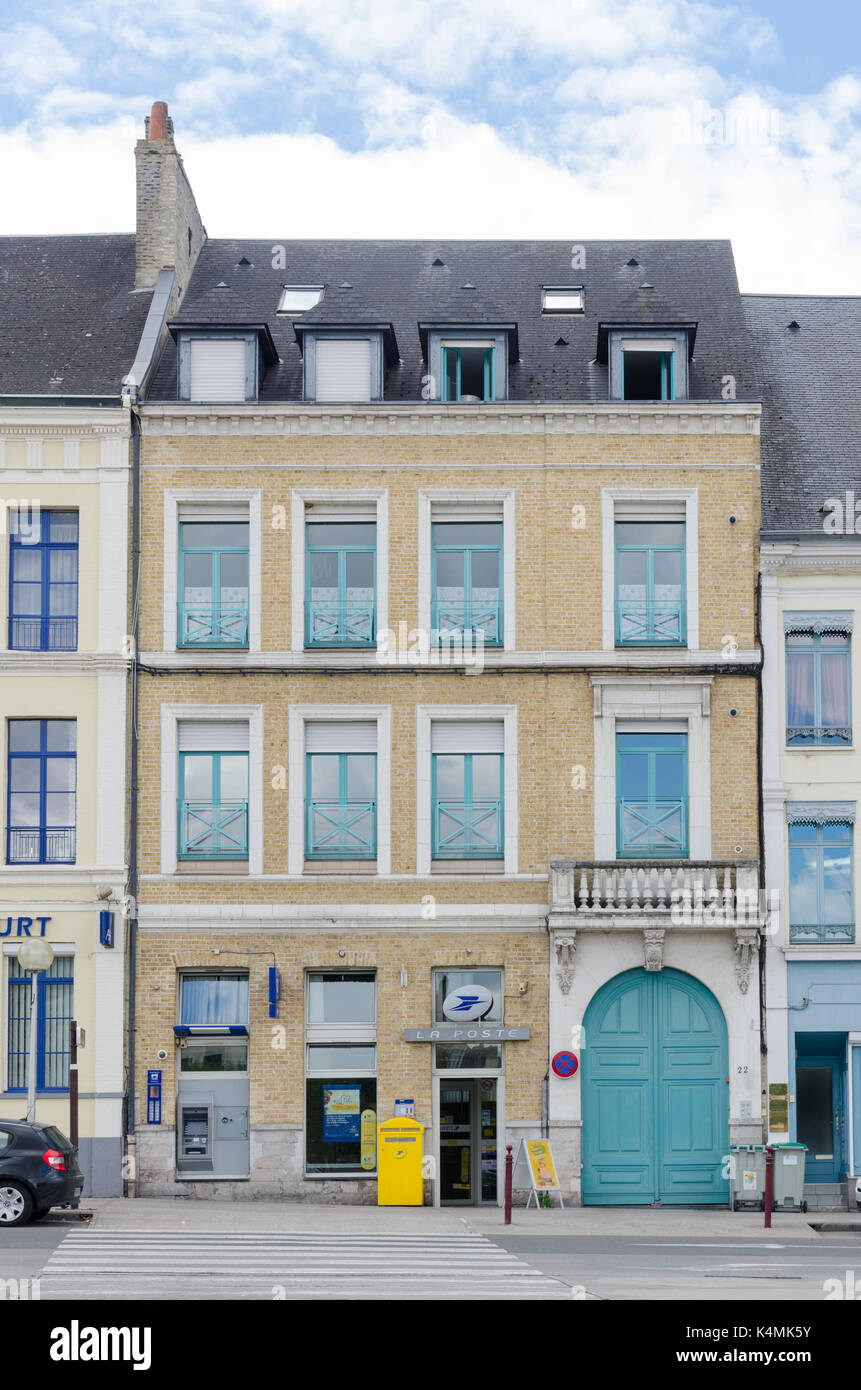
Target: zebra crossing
(208,1265)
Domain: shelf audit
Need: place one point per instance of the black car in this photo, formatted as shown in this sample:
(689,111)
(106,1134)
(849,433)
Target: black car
(38,1170)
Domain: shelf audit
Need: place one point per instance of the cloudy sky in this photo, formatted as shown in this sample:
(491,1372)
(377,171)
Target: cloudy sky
(460,118)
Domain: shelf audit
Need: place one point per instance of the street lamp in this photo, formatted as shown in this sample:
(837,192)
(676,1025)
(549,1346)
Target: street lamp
(34,957)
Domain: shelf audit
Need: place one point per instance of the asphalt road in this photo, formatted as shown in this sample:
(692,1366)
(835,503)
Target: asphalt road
(689,1267)
(24,1250)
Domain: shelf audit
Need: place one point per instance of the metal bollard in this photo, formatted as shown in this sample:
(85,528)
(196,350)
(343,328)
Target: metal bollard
(509,1175)
(769,1184)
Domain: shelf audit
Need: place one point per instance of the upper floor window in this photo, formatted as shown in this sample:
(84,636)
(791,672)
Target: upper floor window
(55,1011)
(467,581)
(298,299)
(218,367)
(213,584)
(467,371)
(562,299)
(650,583)
(821,900)
(647,372)
(341,781)
(43,582)
(651,795)
(467,789)
(468,364)
(818,680)
(214,1000)
(41,795)
(646,365)
(340,579)
(213,790)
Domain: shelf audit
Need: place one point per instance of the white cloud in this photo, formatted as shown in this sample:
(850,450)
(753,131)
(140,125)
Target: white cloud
(32,59)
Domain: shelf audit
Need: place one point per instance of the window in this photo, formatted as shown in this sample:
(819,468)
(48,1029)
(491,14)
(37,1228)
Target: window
(467,371)
(818,678)
(217,369)
(475,1055)
(343,369)
(297,299)
(41,791)
(217,999)
(340,577)
(5,1139)
(213,584)
(647,376)
(650,583)
(43,582)
(651,795)
(341,781)
(341,1084)
(821,906)
(644,366)
(213,790)
(467,582)
(55,1009)
(562,299)
(467,790)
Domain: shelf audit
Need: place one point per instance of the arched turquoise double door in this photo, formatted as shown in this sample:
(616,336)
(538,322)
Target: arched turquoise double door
(655,1092)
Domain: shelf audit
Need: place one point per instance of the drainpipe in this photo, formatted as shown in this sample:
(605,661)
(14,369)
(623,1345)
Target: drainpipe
(763,941)
(131,1184)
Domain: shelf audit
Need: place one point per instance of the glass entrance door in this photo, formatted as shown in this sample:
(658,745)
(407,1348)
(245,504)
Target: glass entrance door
(467,1138)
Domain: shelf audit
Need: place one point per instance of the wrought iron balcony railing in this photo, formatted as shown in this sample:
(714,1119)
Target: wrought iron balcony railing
(36,634)
(53,844)
(454,621)
(467,832)
(839,932)
(340,624)
(809,735)
(207,831)
(648,624)
(653,828)
(341,830)
(212,625)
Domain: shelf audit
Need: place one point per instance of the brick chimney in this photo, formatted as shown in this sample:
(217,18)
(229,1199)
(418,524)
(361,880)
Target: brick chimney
(169,229)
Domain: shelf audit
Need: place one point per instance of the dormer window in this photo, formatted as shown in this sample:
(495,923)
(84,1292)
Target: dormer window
(221,365)
(647,364)
(344,364)
(467,371)
(468,364)
(562,299)
(298,299)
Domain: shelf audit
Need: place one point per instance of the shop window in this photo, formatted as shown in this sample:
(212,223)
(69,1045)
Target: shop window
(214,1054)
(214,1000)
(821,900)
(341,1064)
(467,582)
(43,582)
(651,795)
(213,584)
(449,982)
(55,1009)
(818,685)
(650,583)
(458,987)
(41,797)
(340,577)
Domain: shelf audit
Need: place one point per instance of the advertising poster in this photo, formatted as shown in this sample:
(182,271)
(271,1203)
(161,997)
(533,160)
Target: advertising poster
(341,1114)
(541,1164)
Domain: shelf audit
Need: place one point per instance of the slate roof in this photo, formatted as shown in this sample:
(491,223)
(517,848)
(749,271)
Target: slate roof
(397,282)
(69,322)
(811,420)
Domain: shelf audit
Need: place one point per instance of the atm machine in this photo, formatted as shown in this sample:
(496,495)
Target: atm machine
(212,1138)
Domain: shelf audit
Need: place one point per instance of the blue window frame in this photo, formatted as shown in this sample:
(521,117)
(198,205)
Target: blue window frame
(647,376)
(43,582)
(213,584)
(818,689)
(467,372)
(41,791)
(55,1005)
(821,899)
(213,805)
(468,819)
(340,584)
(652,795)
(341,806)
(650,584)
(467,582)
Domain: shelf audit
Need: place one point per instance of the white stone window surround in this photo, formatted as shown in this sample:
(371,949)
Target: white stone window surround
(471,501)
(170,717)
(300,498)
(667,699)
(651,497)
(299,716)
(426,715)
(211,497)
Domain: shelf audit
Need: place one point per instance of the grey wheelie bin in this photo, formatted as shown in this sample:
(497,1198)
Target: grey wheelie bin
(747,1177)
(789,1160)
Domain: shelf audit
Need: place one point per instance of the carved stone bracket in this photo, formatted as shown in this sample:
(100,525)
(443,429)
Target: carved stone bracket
(746,948)
(566,949)
(653,947)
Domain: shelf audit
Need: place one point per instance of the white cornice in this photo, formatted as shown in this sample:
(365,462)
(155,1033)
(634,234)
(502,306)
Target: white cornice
(426,419)
(60,664)
(52,422)
(787,557)
(316,661)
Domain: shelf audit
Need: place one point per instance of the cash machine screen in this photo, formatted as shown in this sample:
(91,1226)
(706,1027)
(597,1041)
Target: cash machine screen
(195,1130)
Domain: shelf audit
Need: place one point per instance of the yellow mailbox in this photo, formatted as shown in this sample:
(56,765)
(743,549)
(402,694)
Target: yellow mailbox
(399,1163)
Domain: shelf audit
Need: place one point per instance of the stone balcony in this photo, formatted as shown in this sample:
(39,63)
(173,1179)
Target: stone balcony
(655,897)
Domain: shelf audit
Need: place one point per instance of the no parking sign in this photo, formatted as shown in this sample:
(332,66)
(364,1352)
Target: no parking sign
(565,1064)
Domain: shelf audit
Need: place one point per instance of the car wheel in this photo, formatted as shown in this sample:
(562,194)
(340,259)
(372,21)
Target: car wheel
(16,1204)
(804,1207)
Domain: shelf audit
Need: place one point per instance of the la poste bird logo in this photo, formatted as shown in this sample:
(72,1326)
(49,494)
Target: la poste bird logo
(468,1003)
